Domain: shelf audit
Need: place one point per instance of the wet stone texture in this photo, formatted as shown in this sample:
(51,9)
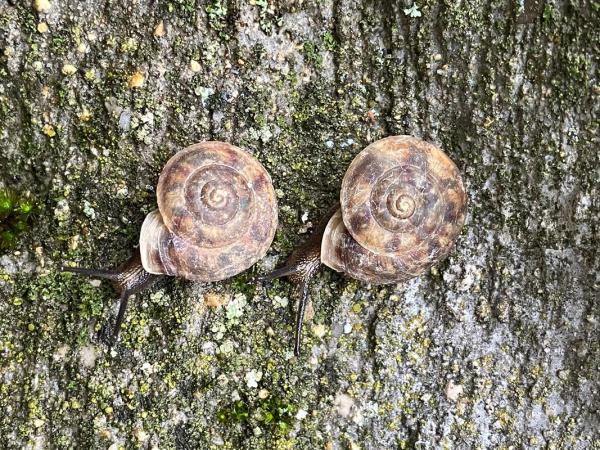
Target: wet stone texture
(497,347)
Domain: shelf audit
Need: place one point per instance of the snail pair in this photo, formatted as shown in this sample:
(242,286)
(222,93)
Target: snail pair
(402,205)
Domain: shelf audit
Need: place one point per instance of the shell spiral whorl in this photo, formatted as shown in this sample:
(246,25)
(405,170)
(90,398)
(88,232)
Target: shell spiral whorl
(217,206)
(402,206)
(205,194)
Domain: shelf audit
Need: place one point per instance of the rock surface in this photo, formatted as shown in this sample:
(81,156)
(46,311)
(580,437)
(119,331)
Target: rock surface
(497,347)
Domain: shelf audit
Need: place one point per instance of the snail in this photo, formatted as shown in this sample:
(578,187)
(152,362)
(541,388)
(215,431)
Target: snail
(216,217)
(402,206)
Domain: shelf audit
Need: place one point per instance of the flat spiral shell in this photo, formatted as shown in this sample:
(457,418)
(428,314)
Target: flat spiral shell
(402,206)
(216,216)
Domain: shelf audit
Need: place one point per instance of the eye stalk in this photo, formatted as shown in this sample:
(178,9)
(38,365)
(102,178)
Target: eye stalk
(128,279)
(300,268)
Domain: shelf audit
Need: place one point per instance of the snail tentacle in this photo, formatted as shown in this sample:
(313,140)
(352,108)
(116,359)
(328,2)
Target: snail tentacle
(300,268)
(302,302)
(96,273)
(284,271)
(130,278)
(123,301)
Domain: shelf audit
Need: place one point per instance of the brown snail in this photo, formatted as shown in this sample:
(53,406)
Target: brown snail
(216,216)
(402,205)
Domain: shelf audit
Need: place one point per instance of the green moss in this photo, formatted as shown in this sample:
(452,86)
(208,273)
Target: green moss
(268,18)
(549,14)
(244,283)
(276,415)
(328,40)
(15,216)
(217,16)
(312,54)
(236,412)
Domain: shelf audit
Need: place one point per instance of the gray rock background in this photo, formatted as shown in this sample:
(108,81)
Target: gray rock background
(497,347)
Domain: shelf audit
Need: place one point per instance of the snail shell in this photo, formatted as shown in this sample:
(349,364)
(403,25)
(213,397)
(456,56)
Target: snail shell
(216,215)
(402,205)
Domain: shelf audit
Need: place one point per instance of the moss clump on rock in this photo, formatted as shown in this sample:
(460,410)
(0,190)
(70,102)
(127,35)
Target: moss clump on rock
(15,216)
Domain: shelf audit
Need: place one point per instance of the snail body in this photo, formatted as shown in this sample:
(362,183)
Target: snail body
(402,206)
(216,217)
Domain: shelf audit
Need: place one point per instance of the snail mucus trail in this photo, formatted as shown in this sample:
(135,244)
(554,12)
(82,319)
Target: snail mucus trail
(216,216)
(402,206)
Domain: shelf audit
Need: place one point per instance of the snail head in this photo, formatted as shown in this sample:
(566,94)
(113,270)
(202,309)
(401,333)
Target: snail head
(128,279)
(300,268)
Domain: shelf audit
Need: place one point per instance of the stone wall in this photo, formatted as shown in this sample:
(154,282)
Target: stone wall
(497,347)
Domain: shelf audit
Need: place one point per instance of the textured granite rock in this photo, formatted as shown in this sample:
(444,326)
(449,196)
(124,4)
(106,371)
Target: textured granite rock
(497,347)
